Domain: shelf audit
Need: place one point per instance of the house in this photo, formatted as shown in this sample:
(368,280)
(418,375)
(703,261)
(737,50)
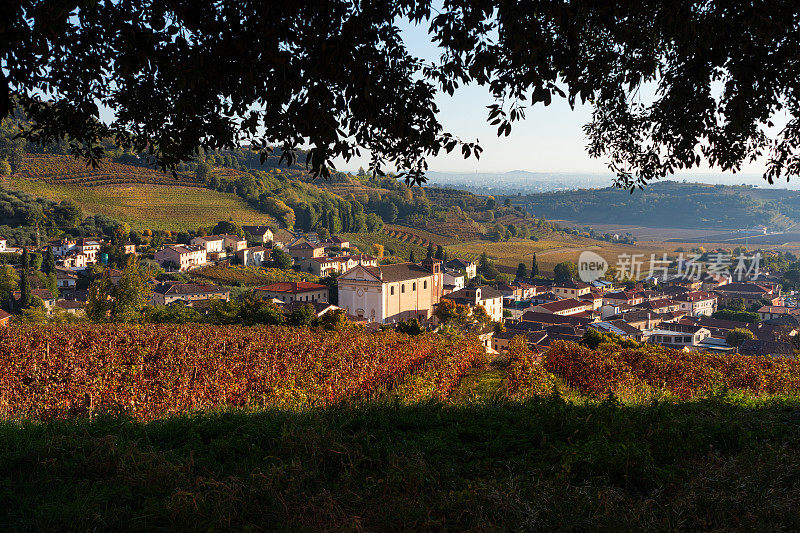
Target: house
(89,248)
(254,256)
(470,269)
(661,305)
(3,246)
(549,319)
(325,266)
(5,319)
(185,257)
(306,250)
(73,307)
(638,318)
(571,289)
(167,293)
(73,260)
(294,291)
(535,339)
(65,280)
(529,290)
(233,242)
(620,327)
(491,300)
(389,293)
(750,293)
(622,297)
(697,303)
(568,306)
(335,242)
(453,281)
(767,312)
(680,335)
(261,234)
(43,294)
(214,246)
(129,248)
(765,347)
(593,298)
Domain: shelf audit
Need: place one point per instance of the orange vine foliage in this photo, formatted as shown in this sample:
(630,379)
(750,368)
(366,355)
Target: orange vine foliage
(685,374)
(154,371)
(526,375)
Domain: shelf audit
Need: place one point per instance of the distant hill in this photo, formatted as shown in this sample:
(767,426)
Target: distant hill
(671,204)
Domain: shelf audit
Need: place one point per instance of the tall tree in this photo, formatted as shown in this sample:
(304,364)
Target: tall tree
(25,283)
(49,263)
(719,74)
(439,252)
(565,271)
(429,253)
(9,282)
(411,258)
(130,294)
(522,271)
(534,267)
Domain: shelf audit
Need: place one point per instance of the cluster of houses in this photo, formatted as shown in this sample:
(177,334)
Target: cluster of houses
(676,315)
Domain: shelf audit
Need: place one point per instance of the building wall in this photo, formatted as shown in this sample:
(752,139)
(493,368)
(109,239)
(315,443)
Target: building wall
(362,297)
(320,295)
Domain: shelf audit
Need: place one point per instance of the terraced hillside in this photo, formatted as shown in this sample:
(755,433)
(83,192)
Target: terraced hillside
(66,170)
(149,206)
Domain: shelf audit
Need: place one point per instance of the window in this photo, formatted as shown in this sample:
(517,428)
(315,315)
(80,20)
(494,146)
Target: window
(391,291)
(402,287)
(414,286)
(425,284)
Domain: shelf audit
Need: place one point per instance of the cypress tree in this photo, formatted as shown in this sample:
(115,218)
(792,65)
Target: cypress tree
(534,267)
(25,283)
(430,251)
(49,263)
(411,258)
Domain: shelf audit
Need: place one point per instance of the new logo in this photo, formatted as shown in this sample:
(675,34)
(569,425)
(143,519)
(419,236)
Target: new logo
(591,266)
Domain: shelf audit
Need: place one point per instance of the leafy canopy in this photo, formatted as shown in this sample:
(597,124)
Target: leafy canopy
(335,75)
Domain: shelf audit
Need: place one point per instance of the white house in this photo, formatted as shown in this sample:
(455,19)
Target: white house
(453,280)
(185,257)
(469,268)
(697,303)
(254,256)
(213,244)
(3,245)
(260,233)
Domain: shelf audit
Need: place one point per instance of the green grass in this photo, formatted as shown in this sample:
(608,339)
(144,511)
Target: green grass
(715,464)
(150,206)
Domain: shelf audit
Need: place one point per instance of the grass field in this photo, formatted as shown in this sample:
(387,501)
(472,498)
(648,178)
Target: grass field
(150,206)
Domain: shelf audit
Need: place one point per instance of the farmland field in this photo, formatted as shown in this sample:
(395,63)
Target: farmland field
(149,206)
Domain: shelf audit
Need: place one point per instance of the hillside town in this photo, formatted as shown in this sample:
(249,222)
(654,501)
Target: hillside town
(677,311)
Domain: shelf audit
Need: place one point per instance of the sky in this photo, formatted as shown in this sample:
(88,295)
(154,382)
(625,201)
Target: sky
(550,139)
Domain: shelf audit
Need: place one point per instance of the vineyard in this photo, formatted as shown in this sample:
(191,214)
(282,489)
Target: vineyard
(155,371)
(67,170)
(416,236)
(645,370)
(148,206)
(232,428)
(249,276)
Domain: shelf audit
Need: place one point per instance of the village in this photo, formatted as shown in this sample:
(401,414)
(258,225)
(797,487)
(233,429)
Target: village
(437,292)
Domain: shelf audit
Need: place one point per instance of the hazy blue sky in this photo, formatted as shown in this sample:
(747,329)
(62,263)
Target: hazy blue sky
(550,139)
